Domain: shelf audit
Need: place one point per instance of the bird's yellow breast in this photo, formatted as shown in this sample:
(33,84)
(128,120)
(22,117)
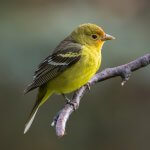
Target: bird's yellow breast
(78,74)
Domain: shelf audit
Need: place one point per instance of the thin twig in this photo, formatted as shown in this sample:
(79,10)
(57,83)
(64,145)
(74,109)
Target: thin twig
(124,71)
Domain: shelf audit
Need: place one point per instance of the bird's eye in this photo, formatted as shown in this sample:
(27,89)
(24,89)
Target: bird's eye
(94,36)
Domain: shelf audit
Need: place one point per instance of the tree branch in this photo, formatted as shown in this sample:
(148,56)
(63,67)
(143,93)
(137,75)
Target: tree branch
(124,71)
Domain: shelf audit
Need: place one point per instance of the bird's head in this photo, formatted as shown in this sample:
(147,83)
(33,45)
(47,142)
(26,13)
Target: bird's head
(90,34)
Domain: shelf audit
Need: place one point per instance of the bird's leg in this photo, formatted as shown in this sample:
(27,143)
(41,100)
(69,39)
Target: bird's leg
(69,101)
(66,98)
(88,86)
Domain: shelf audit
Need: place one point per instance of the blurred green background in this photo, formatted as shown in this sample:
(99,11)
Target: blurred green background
(110,117)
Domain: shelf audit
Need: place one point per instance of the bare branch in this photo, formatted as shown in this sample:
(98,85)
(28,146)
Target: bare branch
(124,71)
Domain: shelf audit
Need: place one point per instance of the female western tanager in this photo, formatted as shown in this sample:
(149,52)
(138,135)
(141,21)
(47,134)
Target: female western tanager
(72,64)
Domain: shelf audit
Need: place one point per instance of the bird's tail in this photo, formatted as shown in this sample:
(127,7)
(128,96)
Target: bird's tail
(42,96)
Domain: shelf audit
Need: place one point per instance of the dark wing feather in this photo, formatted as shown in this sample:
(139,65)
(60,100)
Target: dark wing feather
(54,64)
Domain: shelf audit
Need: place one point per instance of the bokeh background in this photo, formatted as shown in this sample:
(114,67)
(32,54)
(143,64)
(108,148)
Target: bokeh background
(110,117)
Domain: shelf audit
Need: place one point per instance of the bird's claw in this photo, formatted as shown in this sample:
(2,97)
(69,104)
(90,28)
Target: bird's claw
(72,104)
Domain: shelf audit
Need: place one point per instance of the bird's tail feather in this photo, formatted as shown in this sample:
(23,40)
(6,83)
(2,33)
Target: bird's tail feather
(30,120)
(43,95)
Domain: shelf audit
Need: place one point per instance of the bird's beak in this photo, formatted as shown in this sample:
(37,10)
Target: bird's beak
(108,37)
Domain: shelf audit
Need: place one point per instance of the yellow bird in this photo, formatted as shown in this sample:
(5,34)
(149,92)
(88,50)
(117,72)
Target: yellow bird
(72,64)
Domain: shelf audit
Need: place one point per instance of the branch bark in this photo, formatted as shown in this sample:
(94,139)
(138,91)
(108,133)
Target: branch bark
(124,71)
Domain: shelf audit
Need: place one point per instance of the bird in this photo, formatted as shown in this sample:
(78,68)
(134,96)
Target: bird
(71,65)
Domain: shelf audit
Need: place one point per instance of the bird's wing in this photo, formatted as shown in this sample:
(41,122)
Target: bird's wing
(55,64)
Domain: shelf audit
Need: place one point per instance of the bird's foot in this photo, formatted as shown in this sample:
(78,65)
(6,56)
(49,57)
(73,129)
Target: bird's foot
(68,101)
(88,86)
(72,104)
